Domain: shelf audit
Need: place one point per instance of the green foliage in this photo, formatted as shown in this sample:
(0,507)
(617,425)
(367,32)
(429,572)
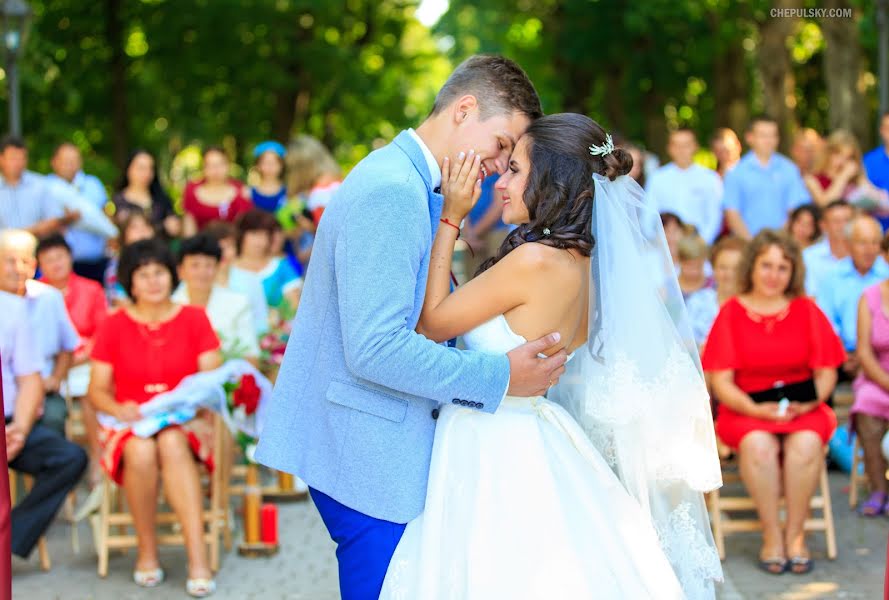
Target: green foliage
(230,72)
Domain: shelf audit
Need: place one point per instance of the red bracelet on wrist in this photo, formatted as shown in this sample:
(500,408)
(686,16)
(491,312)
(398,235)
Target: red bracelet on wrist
(447,222)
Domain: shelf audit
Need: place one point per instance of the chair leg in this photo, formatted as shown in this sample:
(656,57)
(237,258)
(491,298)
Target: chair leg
(103,529)
(829,529)
(716,522)
(43,553)
(853,476)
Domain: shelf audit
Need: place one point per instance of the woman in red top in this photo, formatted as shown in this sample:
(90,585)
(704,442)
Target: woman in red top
(770,335)
(141,350)
(215,197)
(86,305)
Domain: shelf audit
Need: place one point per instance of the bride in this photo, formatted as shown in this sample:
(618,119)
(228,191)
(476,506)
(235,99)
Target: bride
(595,492)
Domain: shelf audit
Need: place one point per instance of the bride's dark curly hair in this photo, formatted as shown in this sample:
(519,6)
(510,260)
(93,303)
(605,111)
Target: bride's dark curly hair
(559,188)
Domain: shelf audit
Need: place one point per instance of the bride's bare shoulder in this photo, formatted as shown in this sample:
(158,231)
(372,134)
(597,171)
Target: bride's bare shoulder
(542,259)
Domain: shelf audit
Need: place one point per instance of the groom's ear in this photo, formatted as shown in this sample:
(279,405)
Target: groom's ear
(463,107)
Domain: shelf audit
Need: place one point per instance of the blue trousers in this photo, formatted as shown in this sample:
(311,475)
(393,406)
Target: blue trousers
(365,546)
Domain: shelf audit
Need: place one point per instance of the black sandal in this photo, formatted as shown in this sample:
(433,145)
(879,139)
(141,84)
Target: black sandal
(773,566)
(801,565)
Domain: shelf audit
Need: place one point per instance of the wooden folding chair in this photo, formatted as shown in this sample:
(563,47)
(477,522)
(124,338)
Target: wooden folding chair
(42,548)
(112,515)
(724,523)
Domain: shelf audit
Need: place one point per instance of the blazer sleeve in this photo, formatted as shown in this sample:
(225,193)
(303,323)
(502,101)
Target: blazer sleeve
(379,252)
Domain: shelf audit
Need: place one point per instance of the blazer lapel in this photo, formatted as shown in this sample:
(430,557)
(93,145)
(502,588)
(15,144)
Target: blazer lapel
(435,200)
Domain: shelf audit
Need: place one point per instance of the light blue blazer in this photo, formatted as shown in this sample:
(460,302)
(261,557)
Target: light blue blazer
(355,404)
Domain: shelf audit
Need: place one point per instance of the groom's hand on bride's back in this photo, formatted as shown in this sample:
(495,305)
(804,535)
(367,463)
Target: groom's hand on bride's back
(530,375)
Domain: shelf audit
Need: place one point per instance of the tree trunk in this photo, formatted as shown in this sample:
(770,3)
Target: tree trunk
(731,88)
(842,71)
(773,62)
(120,138)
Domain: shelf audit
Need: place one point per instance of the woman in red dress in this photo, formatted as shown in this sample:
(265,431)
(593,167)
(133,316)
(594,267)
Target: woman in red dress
(771,335)
(216,196)
(141,350)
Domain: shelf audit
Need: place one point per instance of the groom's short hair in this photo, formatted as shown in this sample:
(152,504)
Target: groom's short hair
(499,85)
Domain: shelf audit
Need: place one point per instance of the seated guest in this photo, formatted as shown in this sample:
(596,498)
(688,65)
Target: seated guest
(704,305)
(765,185)
(85,302)
(876,162)
(237,280)
(141,350)
(279,279)
(87,246)
(54,335)
(135,227)
(840,174)
(28,200)
(216,196)
(772,334)
(727,148)
(692,251)
(269,193)
(820,258)
(675,230)
(313,172)
(803,226)
(55,463)
(839,293)
(689,190)
(870,411)
(806,148)
(229,311)
(139,191)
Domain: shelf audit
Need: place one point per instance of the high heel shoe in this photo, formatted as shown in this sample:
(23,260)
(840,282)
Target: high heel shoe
(200,587)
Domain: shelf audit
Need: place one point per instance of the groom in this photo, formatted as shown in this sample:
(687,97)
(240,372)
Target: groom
(354,408)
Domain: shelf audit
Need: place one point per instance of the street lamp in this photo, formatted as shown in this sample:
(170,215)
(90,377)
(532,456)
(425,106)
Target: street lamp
(16,18)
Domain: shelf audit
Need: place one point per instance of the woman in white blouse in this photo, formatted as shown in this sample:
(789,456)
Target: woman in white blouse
(229,312)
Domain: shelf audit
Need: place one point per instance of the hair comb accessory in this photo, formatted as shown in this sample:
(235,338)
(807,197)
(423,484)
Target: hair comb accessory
(606,148)
(546,232)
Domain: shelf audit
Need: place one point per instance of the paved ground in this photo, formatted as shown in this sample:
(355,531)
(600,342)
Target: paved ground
(305,568)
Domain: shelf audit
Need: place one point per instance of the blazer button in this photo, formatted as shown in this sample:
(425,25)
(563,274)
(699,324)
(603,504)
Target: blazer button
(479,404)
(434,413)
(455,401)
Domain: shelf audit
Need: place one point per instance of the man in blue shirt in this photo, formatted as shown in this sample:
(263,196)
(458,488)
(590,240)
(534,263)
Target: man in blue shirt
(87,246)
(32,447)
(27,200)
(839,292)
(765,186)
(822,257)
(876,162)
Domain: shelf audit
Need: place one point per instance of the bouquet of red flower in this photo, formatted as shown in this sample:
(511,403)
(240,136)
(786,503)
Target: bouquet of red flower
(242,400)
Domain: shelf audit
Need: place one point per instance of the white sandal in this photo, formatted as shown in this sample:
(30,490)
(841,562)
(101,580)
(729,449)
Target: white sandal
(200,587)
(149,578)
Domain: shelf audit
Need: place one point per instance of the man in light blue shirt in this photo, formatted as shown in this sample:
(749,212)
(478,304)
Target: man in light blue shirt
(876,162)
(765,186)
(27,201)
(50,327)
(686,189)
(822,257)
(87,246)
(55,463)
(839,293)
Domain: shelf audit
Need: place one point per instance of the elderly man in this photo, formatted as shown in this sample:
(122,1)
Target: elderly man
(28,200)
(841,288)
(87,242)
(55,463)
(50,327)
(821,258)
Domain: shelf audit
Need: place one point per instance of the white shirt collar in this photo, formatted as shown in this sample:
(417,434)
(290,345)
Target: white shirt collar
(434,168)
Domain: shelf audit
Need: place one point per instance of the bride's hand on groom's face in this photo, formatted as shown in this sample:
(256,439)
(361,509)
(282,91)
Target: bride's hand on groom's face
(461,184)
(530,375)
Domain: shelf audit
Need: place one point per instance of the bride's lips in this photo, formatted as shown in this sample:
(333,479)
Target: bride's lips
(505,200)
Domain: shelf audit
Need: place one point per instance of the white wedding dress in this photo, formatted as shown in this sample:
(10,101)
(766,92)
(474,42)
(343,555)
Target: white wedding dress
(521,506)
